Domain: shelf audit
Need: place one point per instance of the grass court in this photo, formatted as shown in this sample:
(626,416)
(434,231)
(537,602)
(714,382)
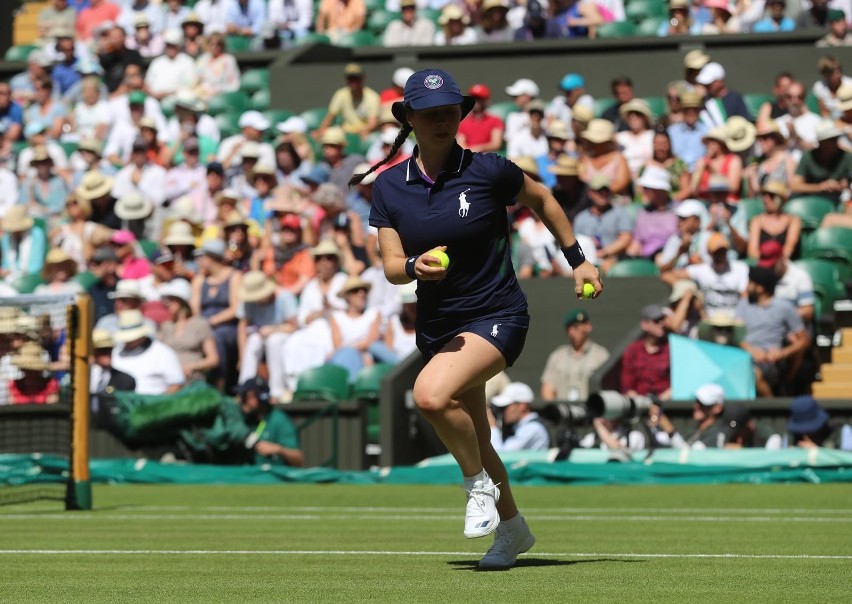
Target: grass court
(341,544)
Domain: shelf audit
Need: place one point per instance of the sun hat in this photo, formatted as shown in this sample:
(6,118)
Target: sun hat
(776,187)
(353,69)
(56,259)
(17,219)
(102,338)
(360,169)
(717,241)
(710,394)
(192,18)
(599,182)
(557,130)
(599,131)
(214,248)
(141,19)
(523,86)
(263,169)
(352,283)
(133,206)
(710,73)
(401,75)
(173,37)
(691,100)
(292,125)
(224,195)
(333,136)
(179,233)
(40,154)
(771,129)
(678,4)
(741,134)
(529,166)
(123,237)
(565,166)
(721,4)
(844,95)
(253,119)
(654,177)
(515,392)
(690,207)
(183,208)
(235,219)
(652,312)
(577,315)
(827,130)
(27,326)
(250,149)
(771,252)
(318,175)
(718,134)
(132,325)
(177,288)
(572,81)
(806,416)
(452,12)
(330,196)
(256,286)
(95,184)
(639,106)
(582,114)
(326,247)
(126,288)
(489,4)
(31,357)
(680,289)
(92,145)
(430,88)
(186,99)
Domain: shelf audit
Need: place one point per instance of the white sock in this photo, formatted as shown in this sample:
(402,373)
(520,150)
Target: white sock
(514,522)
(469,480)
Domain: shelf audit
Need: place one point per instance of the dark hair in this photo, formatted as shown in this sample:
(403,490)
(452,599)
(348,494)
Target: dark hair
(819,436)
(620,81)
(288,147)
(397,143)
(782,75)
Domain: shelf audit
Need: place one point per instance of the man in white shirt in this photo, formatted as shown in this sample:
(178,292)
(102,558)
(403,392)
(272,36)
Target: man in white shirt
(799,124)
(171,71)
(154,365)
(253,125)
(522,92)
(529,140)
(529,434)
(213,14)
(188,177)
(121,105)
(292,18)
(152,12)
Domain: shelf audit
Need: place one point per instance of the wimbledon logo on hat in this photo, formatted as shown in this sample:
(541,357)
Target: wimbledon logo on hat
(433,82)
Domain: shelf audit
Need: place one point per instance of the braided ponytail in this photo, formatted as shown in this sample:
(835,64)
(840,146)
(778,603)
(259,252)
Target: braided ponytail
(397,143)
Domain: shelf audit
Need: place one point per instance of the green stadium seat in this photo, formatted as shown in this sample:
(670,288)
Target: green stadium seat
(602,105)
(228,102)
(825,275)
(431,13)
(812,102)
(634,267)
(637,10)
(616,29)
(148,247)
(368,383)
(167,106)
(755,101)
(254,80)
(357,39)
(260,100)
(374,5)
(833,244)
(811,209)
(19,52)
(228,124)
(658,105)
(236,43)
(27,283)
(313,117)
(752,206)
(355,145)
(313,38)
(502,109)
(324,383)
(69,147)
(86,279)
(276,116)
(378,21)
(650,26)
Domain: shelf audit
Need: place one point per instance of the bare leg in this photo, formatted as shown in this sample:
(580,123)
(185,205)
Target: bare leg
(474,401)
(466,361)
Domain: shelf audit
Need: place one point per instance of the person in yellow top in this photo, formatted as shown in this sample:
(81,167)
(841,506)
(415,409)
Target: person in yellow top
(356,105)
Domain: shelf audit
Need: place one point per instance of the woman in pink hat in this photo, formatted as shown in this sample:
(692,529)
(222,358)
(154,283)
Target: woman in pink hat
(724,21)
(130,265)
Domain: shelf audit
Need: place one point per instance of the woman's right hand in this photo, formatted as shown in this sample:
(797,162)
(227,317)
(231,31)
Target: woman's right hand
(430,272)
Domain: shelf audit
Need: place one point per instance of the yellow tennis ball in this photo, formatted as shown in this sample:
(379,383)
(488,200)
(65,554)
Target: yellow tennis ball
(588,290)
(443,259)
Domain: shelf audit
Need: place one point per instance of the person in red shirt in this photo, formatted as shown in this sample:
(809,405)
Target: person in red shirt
(394,93)
(481,131)
(98,11)
(646,365)
(37,386)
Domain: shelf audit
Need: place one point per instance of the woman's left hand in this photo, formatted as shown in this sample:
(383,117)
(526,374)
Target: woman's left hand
(587,273)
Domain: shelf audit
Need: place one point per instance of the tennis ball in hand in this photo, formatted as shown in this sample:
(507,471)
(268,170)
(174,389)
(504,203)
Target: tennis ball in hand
(588,290)
(443,259)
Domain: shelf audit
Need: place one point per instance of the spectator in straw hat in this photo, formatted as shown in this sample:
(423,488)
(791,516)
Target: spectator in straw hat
(181,241)
(125,295)
(96,189)
(142,176)
(741,135)
(355,104)
(609,227)
(44,192)
(87,157)
(717,161)
(154,365)
(826,169)
(58,272)
(602,156)
(319,295)
(239,247)
(135,209)
(774,224)
(335,158)
(228,201)
(680,21)
(22,246)
(142,39)
(688,136)
(493,23)
(189,336)
(557,136)
(569,190)
(775,163)
(37,386)
(355,329)
(285,256)
(637,138)
(267,317)
(454,28)
(239,175)
(79,236)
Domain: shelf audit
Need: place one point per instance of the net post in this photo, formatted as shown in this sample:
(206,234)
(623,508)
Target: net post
(80,321)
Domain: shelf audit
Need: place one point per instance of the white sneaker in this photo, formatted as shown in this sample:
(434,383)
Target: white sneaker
(481,517)
(508,544)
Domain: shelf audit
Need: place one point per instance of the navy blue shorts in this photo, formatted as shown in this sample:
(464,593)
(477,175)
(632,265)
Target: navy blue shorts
(507,333)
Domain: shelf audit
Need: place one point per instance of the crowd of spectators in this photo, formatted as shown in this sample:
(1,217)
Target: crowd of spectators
(228,256)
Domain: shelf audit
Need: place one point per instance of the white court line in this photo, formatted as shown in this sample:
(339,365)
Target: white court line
(203,552)
(408,518)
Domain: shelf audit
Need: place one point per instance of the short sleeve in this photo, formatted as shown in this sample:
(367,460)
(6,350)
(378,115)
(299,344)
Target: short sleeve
(337,102)
(507,179)
(625,222)
(379,215)
(740,311)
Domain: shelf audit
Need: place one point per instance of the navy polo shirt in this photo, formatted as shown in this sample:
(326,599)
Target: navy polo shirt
(465,209)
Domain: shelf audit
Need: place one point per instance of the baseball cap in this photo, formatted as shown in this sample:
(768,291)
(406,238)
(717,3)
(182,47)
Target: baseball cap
(716,242)
(293,124)
(695,59)
(770,253)
(835,14)
(480,91)
(710,394)
(123,237)
(137,97)
(710,73)
(655,178)
(258,385)
(734,420)
(401,75)
(690,207)
(429,88)
(353,70)
(213,247)
(515,392)
(652,312)
(104,254)
(600,182)
(253,119)
(576,315)
(572,81)
(523,86)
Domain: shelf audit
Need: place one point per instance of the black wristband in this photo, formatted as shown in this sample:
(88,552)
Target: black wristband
(409,267)
(574,254)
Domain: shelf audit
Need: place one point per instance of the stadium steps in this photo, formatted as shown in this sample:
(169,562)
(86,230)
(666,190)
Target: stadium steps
(837,375)
(26,21)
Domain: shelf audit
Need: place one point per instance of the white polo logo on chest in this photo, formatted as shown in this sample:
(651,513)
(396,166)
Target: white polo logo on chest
(464,204)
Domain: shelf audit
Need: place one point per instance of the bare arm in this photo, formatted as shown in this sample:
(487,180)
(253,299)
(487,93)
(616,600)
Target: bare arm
(210,358)
(618,246)
(195,297)
(735,174)
(794,232)
(548,392)
(394,258)
(622,176)
(372,336)
(754,238)
(336,338)
(671,277)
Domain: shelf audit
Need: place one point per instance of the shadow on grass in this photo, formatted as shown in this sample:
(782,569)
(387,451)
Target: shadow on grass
(533,562)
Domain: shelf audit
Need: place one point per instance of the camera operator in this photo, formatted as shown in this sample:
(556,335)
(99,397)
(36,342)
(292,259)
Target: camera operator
(530,434)
(614,435)
(707,410)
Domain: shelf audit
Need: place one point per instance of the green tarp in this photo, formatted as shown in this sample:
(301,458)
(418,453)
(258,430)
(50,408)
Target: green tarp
(584,468)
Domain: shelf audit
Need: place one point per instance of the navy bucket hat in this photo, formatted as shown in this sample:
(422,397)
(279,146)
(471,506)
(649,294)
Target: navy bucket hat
(430,88)
(806,416)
